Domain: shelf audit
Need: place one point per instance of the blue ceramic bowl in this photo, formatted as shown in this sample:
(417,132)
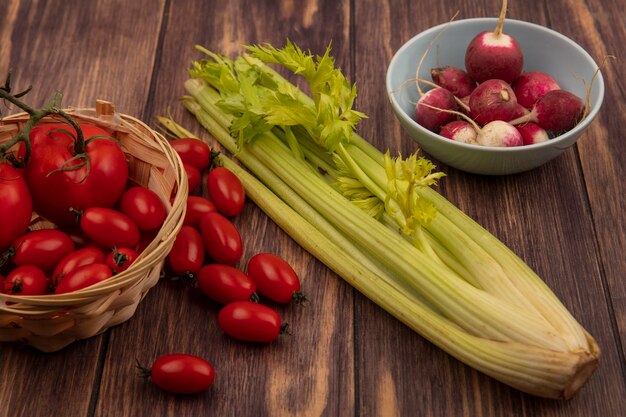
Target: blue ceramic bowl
(544,50)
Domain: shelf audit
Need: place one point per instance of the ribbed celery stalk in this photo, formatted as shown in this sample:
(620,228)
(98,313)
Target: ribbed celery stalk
(375,221)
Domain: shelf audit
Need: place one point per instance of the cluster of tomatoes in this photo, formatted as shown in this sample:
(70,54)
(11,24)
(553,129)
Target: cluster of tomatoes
(98,221)
(207,249)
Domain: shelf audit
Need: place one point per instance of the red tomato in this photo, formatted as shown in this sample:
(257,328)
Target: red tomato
(221,239)
(145,240)
(225,284)
(144,207)
(181,373)
(120,259)
(15,205)
(275,278)
(194,177)
(226,191)
(41,248)
(250,322)
(197,207)
(74,260)
(109,228)
(193,152)
(78,236)
(83,277)
(26,280)
(60,179)
(187,253)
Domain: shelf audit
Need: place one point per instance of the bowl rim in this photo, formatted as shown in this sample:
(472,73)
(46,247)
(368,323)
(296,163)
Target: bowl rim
(576,130)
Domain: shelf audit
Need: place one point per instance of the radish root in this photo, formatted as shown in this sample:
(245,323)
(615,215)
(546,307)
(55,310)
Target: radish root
(430,45)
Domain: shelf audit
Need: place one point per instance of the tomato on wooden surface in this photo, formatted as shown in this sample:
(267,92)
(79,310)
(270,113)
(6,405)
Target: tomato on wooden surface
(180,373)
(16,206)
(197,207)
(83,277)
(250,322)
(61,179)
(193,152)
(144,207)
(222,240)
(225,284)
(187,254)
(275,278)
(76,259)
(226,191)
(43,248)
(194,177)
(26,280)
(109,228)
(120,259)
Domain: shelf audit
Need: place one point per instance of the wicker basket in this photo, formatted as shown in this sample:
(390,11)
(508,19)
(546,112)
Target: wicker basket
(51,322)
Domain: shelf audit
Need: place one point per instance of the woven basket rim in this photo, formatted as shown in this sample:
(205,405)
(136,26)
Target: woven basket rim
(153,254)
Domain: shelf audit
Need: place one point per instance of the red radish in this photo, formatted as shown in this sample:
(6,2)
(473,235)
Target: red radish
(493,100)
(495,133)
(556,111)
(532,133)
(460,131)
(453,79)
(494,54)
(499,133)
(531,86)
(428,111)
(520,111)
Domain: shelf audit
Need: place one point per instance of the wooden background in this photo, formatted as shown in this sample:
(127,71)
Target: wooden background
(346,357)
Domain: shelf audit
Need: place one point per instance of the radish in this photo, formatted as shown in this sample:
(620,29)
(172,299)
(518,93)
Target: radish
(494,54)
(454,79)
(428,111)
(556,111)
(494,133)
(460,131)
(531,86)
(532,133)
(499,133)
(493,100)
(520,111)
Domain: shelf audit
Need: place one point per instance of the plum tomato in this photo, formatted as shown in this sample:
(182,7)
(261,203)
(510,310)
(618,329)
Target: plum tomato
(275,278)
(180,373)
(119,259)
(197,207)
(61,179)
(16,206)
(83,277)
(187,254)
(76,259)
(193,152)
(225,284)
(222,240)
(250,322)
(194,177)
(43,248)
(226,191)
(109,228)
(144,207)
(26,280)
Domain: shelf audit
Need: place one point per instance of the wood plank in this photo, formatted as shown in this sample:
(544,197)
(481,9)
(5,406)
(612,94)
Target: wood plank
(542,215)
(601,152)
(75,47)
(307,374)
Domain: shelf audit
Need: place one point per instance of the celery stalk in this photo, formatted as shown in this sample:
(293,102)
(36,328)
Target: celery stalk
(376,222)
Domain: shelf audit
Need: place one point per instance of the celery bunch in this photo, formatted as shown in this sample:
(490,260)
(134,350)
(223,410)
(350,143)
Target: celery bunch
(376,221)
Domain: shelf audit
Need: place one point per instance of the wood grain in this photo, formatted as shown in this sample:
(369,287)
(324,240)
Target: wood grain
(306,374)
(346,356)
